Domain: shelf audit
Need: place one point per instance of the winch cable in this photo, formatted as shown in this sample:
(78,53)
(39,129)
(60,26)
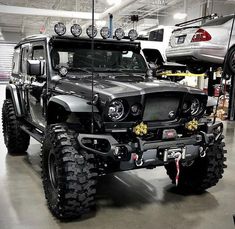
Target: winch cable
(92,66)
(224,69)
(178,156)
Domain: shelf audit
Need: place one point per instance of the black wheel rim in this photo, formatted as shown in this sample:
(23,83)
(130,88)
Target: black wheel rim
(53,170)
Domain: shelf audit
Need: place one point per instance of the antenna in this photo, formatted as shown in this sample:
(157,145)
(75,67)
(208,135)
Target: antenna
(92,64)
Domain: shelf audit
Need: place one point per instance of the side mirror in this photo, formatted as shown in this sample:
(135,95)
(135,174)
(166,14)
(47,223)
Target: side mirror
(35,68)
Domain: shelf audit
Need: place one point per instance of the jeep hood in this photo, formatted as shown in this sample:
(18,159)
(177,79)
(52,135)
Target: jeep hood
(122,88)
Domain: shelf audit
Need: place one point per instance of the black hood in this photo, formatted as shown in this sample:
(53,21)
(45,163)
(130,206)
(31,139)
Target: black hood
(113,87)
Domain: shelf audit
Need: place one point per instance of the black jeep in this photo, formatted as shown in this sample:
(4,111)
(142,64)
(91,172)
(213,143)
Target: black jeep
(97,112)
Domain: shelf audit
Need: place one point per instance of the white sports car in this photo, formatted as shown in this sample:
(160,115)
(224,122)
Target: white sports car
(200,47)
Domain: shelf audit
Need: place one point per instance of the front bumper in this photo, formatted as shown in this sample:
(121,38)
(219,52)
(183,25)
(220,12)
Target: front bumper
(189,146)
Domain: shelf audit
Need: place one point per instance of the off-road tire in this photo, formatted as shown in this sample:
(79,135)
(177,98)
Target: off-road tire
(74,191)
(204,173)
(16,140)
(230,65)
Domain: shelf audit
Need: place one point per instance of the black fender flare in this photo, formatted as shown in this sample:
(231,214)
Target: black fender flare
(73,104)
(12,93)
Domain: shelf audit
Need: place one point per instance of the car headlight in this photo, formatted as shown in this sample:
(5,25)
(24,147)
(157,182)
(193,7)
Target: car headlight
(195,106)
(116,110)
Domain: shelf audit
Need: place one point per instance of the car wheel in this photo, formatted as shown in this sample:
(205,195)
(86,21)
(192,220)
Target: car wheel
(204,172)
(197,69)
(68,174)
(16,140)
(231,61)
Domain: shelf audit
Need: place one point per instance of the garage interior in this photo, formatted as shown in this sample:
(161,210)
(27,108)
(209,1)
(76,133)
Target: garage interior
(137,198)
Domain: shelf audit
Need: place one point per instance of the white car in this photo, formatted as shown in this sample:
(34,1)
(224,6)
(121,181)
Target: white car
(200,47)
(154,48)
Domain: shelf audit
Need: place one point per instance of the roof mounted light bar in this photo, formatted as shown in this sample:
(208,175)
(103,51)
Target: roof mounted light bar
(76,31)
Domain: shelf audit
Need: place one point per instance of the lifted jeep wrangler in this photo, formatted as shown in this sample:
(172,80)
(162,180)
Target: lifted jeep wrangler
(99,112)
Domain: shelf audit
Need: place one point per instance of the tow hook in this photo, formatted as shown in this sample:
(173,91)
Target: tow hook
(177,156)
(202,151)
(138,161)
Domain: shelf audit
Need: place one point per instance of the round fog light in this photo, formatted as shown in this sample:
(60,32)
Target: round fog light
(60,29)
(76,30)
(105,32)
(136,109)
(119,33)
(133,34)
(89,31)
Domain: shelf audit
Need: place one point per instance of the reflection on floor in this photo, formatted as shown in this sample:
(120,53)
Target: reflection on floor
(136,199)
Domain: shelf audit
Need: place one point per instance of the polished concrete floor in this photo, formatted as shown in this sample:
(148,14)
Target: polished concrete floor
(136,199)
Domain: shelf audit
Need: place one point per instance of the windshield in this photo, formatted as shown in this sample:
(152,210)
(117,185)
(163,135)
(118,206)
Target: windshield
(104,60)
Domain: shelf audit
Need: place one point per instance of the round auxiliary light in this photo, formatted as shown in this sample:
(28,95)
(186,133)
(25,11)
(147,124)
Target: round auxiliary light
(105,32)
(89,31)
(133,34)
(60,29)
(119,33)
(136,109)
(76,30)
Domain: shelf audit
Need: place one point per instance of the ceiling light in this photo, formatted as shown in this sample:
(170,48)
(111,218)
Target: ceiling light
(113,2)
(180,16)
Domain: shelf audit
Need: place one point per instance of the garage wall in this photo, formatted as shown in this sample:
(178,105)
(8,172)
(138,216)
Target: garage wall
(12,36)
(6,55)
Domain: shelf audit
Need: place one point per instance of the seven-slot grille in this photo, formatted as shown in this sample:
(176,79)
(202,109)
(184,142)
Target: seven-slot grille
(161,107)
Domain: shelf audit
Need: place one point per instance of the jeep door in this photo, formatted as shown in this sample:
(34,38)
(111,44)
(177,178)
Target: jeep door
(36,89)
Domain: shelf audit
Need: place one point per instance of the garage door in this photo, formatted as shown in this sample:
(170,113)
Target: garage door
(6,54)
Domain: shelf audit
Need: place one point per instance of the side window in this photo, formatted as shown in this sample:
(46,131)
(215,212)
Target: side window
(156,35)
(16,60)
(38,53)
(24,58)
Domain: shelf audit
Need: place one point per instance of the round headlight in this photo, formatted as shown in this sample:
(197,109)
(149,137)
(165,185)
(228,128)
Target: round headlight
(133,34)
(195,106)
(119,33)
(89,31)
(116,110)
(76,30)
(105,32)
(60,29)
(136,109)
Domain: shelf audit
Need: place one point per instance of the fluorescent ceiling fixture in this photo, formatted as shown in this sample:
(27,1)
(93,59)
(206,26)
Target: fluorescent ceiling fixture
(113,2)
(5,9)
(180,16)
(100,23)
